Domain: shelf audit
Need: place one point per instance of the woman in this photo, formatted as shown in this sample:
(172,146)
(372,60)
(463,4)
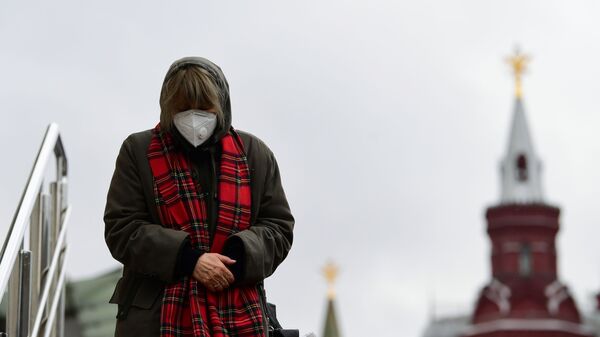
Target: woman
(197,216)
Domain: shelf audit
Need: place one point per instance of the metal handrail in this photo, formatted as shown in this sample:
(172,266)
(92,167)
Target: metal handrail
(33,260)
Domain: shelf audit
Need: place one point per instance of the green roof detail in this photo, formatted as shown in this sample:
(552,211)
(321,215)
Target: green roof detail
(87,301)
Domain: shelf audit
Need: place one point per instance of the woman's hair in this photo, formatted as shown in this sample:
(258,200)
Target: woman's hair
(189,87)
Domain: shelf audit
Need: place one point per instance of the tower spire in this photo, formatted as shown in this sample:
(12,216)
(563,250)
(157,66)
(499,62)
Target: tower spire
(520,168)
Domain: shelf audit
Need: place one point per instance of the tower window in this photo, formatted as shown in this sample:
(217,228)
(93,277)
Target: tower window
(525,260)
(521,167)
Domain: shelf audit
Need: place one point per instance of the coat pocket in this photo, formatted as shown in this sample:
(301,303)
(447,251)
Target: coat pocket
(140,292)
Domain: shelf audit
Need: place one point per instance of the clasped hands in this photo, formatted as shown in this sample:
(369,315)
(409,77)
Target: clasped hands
(211,270)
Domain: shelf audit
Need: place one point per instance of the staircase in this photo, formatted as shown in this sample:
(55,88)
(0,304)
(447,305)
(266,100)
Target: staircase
(32,259)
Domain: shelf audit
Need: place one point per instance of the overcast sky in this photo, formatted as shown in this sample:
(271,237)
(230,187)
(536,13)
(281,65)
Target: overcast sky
(388,120)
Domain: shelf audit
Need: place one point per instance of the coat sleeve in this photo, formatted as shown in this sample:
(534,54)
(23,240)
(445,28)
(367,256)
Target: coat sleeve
(147,248)
(267,242)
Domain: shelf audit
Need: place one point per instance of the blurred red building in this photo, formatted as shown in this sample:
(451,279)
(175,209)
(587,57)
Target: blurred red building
(524,297)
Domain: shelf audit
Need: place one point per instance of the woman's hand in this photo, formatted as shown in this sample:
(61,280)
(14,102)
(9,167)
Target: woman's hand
(212,272)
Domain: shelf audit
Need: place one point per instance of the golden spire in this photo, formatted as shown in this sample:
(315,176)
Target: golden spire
(330,271)
(518,63)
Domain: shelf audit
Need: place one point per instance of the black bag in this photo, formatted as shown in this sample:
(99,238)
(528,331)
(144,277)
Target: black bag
(275,329)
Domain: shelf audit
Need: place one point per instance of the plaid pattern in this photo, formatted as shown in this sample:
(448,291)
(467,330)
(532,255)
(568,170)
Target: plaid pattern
(188,308)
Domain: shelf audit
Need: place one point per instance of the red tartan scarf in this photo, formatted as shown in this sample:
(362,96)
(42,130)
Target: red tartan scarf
(188,308)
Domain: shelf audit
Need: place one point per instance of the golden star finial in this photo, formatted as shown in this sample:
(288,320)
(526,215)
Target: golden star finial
(330,271)
(518,63)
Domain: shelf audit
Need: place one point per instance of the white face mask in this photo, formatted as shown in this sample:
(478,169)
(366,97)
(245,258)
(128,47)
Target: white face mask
(196,126)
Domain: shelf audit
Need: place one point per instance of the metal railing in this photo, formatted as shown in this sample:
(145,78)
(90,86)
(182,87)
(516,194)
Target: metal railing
(32,266)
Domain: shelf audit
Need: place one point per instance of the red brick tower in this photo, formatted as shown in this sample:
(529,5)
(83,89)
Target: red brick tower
(524,297)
